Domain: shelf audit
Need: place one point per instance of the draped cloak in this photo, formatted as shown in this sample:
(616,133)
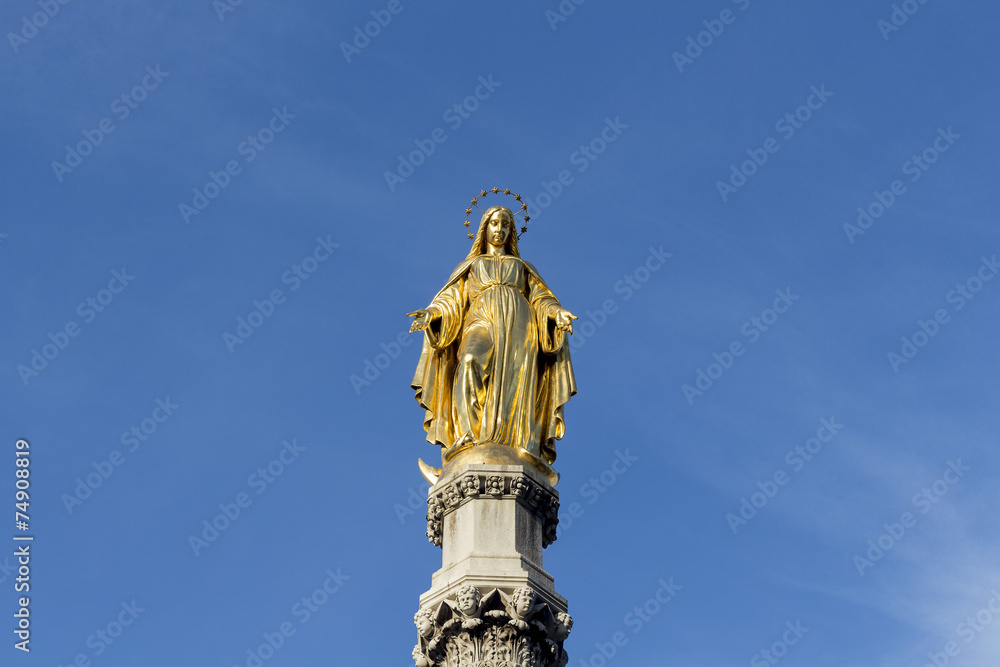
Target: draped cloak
(528,377)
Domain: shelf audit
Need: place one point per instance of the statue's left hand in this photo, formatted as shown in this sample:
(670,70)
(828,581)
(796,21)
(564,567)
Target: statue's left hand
(564,320)
(423,320)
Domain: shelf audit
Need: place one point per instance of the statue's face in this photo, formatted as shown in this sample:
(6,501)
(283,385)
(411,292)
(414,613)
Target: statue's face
(498,229)
(524,603)
(467,602)
(424,625)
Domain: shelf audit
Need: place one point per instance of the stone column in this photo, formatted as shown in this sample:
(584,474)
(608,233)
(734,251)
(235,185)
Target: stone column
(491,604)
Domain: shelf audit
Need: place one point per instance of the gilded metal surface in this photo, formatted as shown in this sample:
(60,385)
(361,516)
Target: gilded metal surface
(496,454)
(430,473)
(495,364)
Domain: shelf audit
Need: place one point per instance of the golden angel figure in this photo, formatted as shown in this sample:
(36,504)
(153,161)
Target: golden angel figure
(495,364)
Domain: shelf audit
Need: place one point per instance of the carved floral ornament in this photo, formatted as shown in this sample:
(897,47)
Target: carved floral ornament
(543,503)
(495,630)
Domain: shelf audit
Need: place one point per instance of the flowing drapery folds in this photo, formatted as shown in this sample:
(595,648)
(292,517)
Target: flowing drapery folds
(494,367)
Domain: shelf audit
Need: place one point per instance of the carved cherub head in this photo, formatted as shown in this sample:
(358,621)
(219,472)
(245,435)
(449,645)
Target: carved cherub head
(522,602)
(468,599)
(564,625)
(424,620)
(419,658)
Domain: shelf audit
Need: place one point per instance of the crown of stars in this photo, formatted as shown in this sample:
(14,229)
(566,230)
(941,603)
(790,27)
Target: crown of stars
(506,191)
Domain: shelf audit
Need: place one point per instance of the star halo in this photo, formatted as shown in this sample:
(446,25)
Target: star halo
(506,191)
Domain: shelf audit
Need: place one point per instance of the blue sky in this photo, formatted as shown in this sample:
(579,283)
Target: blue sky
(177,162)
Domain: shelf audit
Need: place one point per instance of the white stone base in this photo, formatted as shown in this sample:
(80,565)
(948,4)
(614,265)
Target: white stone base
(492,526)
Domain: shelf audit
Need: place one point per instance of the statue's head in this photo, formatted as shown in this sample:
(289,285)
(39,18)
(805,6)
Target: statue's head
(467,599)
(419,658)
(564,625)
(523,601)
(496,227)
(424,620)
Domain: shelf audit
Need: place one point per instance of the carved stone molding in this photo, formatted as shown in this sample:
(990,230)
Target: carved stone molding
(542,501)
(495,630)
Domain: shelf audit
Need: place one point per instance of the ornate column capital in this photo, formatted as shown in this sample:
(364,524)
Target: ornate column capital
(450,494)
(500,629)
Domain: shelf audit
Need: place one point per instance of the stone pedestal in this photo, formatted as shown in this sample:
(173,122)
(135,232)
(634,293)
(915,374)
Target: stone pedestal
(491,603)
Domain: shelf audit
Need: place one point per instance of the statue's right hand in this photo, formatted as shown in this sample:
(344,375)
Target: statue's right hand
(422,321)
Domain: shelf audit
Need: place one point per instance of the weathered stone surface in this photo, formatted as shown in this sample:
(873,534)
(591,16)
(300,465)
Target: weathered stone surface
(495,630)
(492,522)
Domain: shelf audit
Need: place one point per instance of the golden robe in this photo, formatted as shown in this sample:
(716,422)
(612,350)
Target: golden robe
(494,367)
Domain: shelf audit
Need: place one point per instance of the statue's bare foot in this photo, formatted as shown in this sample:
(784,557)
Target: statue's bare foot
(462,443)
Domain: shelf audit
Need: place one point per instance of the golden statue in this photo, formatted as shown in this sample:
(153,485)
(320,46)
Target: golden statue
(494,371)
